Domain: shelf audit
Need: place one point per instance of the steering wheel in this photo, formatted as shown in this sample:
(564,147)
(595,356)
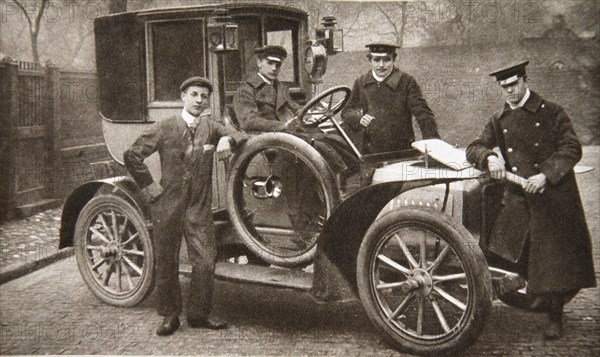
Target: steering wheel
(324,106)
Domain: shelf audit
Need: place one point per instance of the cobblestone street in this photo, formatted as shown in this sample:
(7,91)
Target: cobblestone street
(29,239)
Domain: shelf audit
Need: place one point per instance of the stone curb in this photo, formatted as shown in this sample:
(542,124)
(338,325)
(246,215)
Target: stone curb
(15,271)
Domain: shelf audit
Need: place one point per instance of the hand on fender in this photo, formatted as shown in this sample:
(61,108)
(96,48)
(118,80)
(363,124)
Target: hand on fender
(224,148)
(536,183)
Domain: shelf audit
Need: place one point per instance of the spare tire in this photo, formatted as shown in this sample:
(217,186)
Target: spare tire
(280,192)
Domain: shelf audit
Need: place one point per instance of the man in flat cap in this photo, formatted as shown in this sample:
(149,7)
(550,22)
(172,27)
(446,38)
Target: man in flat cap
(181,203)
(262,104)
(383,102)
(541,228)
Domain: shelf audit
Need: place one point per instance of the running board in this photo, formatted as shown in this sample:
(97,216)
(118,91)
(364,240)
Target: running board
(256,274)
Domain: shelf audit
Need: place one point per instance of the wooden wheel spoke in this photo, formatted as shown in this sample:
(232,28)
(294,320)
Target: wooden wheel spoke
(420,316)
(454,301)
(406,251)
(423,252)
(107,274)
(136,235)
(132,265)
(119,285)
(105,225)
(123,227)
(99,235)
(134,252)
(451,277)
(401,307)
(438,261)
(128,277)
(383,285)
(440,316)
(93,247)
(98,263)
(393,264)
(113,218)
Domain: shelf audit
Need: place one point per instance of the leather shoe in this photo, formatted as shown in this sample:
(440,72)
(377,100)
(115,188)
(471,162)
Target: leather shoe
(169,325)
(554,329)
(208,323)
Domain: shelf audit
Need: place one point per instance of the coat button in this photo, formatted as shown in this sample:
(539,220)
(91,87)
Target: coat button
(537,166)
(510,150)
(514,169)
(537,145)
(505,131)
(543,105)
(537,125)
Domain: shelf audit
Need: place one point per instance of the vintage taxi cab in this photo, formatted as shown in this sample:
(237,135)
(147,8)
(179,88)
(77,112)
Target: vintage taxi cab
(403,240)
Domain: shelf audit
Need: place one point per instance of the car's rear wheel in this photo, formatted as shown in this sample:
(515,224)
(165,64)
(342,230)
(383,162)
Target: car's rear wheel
(114,252)
(280,193)
(423,281)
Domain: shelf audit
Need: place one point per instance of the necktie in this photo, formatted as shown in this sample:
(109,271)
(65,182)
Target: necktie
(193,125)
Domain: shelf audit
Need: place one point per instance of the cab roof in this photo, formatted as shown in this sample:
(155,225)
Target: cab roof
(213,7)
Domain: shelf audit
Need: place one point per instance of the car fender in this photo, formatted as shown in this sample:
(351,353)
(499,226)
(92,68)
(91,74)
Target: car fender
(122,185)
(342,234)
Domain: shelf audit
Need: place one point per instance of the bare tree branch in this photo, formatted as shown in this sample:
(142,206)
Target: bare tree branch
(34,26)
(391,22)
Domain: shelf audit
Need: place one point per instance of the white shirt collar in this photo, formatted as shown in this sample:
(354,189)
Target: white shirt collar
(267,80)
(522,101)
(189,118)
(380,79)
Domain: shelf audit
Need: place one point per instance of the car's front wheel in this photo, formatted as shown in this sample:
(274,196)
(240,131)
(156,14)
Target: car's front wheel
(423,281)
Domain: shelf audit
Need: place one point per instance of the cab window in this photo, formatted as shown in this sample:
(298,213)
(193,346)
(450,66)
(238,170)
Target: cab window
(175,52)
(283,32)
(276,31)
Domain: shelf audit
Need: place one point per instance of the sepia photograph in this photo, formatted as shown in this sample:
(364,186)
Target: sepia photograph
(300,178)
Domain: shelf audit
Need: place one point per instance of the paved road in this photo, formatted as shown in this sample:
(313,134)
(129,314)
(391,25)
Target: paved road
(51,311)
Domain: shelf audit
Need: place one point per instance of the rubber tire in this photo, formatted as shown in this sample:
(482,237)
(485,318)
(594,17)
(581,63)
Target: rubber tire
(141,291)
(311,158)
(474,264)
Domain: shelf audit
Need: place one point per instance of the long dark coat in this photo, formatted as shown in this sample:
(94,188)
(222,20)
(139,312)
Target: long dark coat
(262,107)
(393,103)
(184,208)
(547,229)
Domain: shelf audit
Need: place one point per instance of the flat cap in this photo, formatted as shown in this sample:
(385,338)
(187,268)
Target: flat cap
(382,49)
(271,52)
(510,74)
(197,81)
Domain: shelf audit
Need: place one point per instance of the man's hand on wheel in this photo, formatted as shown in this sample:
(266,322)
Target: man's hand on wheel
(293,126)
(366,120)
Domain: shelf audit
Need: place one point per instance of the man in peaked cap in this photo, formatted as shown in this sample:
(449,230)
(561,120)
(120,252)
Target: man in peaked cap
(262,104)
(383,101)
(181,203)
(540,230)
